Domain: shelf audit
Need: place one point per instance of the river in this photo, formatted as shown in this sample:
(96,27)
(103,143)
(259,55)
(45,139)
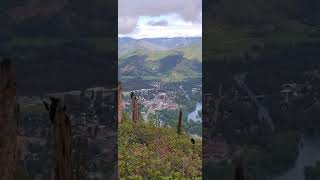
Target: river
(194,115)
(309,154)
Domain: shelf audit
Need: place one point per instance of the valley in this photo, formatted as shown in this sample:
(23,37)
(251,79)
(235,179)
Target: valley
(165,74)
(160,92)
(162,101)
(166,60)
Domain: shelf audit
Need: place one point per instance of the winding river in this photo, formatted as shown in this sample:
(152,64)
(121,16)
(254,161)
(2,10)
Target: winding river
(194,115)
(309,154)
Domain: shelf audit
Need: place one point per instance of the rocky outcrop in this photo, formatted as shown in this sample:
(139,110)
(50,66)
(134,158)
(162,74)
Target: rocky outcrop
(8,120)
(62,139)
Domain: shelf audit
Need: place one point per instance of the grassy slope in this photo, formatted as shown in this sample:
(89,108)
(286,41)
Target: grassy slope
(154,153)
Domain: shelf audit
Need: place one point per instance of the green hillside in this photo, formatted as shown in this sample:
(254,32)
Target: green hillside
(245,29)
(312,172)
(176,61)
(191,52)
(148,152)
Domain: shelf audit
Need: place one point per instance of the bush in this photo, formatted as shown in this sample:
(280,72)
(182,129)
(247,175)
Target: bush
(147,152)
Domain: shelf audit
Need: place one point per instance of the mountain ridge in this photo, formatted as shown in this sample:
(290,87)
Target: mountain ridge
(164,59)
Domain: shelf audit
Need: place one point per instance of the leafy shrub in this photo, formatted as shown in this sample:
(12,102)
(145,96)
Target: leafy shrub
(148,152)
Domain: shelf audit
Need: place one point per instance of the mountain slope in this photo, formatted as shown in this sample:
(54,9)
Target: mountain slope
(238,30)
(64,18)
(54,42)
(170,60)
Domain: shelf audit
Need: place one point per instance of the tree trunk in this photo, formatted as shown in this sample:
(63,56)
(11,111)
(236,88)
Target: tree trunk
(8,121)
(120,103)
(134,107)
(179,123)
(62,140)
(239,174)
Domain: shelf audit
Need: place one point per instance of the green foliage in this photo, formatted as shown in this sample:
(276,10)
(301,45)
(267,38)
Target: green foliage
(147,152)
(280,153)
(170,118)
(22,177)
(245,28)
(221,171)
(21,174)
(125,117)
(150,61)
(260,163)
(312,173)
(283,150)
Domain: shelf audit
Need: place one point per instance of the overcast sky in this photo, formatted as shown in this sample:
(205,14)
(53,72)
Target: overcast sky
(160,18)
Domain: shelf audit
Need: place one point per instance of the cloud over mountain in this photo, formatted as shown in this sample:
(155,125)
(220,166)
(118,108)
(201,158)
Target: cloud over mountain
(158,23)
(130,11)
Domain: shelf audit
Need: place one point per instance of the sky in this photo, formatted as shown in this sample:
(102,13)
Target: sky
(159,18)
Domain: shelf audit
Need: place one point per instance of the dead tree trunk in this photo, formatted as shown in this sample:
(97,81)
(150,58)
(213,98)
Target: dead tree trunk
(134,107)
(179,123)
(239,168)
(8,120)
(136,110)
(239,174)
(62,139)
(120,103)
(139,116)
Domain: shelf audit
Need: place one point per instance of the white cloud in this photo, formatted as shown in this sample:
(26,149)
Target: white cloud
(186,22)
(165,31)
(158,23)
(174,26)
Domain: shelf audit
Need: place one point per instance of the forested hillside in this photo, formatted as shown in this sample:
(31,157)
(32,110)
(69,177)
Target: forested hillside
(56,42)
(246,29)
(160,59)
